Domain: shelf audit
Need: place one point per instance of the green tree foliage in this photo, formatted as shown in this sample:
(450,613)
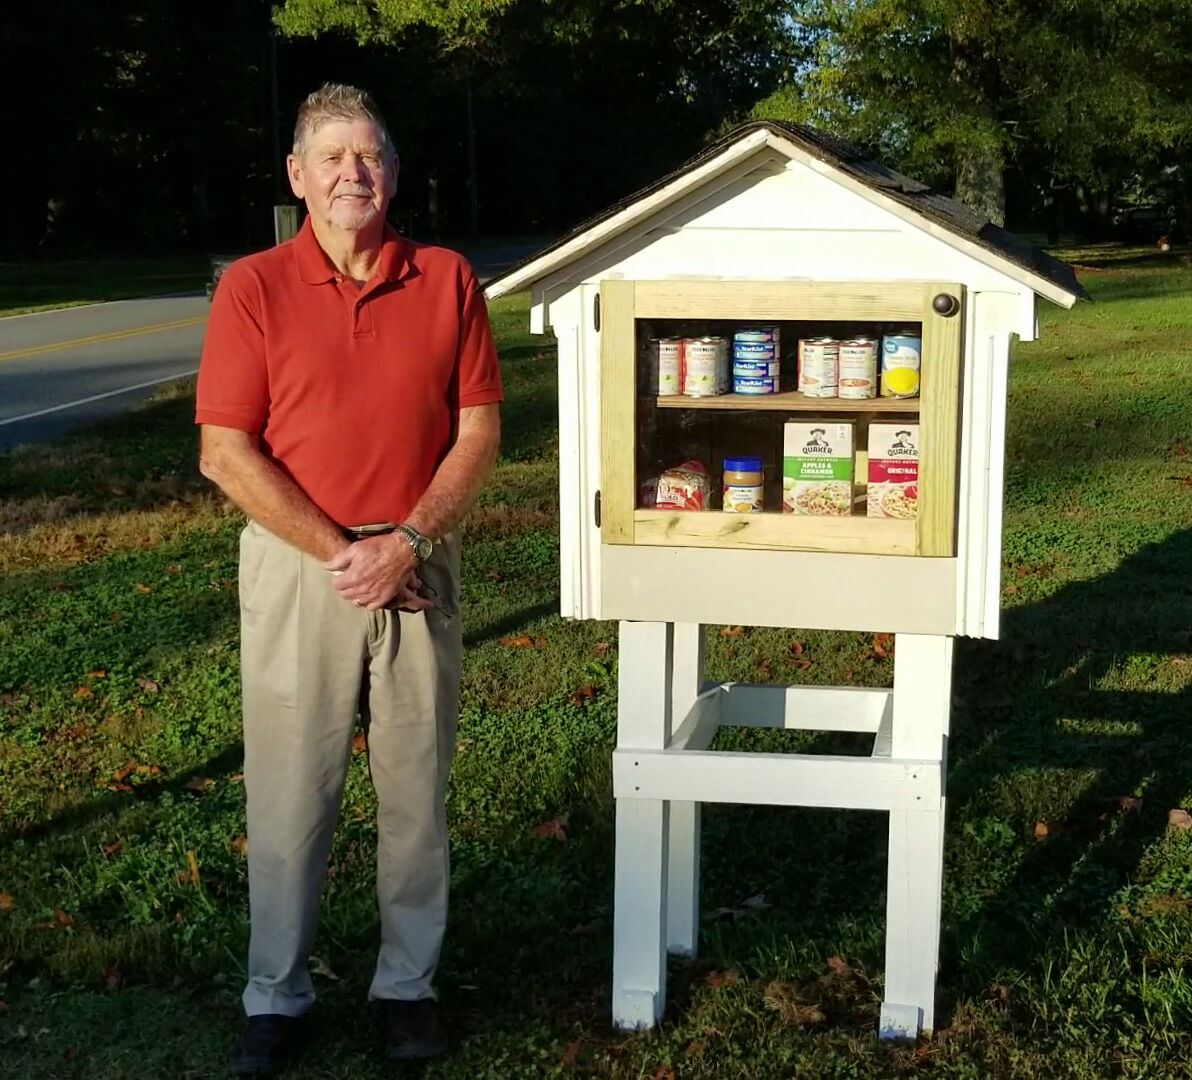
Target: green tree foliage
(461,23)
(1082,95)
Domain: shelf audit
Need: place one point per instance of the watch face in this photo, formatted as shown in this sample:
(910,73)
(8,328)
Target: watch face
(423,548)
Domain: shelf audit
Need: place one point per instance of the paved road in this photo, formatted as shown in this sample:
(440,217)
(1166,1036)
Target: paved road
(62,368)
(59,369)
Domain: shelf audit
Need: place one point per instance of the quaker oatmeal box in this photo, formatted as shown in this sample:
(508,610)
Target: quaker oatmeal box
(893,471)
(817,468)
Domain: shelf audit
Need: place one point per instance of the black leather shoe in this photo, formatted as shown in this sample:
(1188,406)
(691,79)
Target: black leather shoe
(411,1029)
(265,1044)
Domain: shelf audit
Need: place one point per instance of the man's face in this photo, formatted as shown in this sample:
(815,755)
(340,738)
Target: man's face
(344,174)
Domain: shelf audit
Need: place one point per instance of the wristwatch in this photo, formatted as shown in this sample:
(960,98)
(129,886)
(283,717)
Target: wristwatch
(423,545)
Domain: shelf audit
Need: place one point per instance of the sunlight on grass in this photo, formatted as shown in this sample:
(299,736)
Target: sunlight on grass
(1067,913)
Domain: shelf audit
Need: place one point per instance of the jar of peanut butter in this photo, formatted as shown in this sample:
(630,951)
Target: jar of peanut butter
(743,485)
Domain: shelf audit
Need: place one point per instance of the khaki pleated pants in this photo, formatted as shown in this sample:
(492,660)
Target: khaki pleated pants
(311,661)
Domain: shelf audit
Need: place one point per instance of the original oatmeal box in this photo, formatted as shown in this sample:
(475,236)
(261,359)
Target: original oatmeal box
(893,471)
(817,468)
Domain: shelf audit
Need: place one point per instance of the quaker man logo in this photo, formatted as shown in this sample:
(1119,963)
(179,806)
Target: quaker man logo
(817,444)
(902,444)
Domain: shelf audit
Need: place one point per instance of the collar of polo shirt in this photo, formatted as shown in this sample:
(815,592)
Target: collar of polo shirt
(314,268)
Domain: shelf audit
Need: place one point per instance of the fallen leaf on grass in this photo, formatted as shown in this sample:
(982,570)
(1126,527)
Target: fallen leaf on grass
(549,830)
(112,978)
(82,691)
(801,665)
(838,965)
(59,922)
(150,686)
(796,649)
(571,1054)
(359,743)
(733,631)
(319,966)
(358,813)
(190,876)
(517,641)
(239,844)
(1165,904)
(173,568)
(198,783)
(601,647)
(781,997)
(1129,803)
(464,745)
(663,1072)
(114,617)
(1179,819)
(123,774)
(7,901)
(113,848)
(1092,424)
(1043,830)
(143,588)
(584,694)
(1010,590)
(717,979)
(98,673)
(883,645)
(237,777)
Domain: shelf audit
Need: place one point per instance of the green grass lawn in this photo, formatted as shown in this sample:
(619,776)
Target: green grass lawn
(1067,943)
(40,286)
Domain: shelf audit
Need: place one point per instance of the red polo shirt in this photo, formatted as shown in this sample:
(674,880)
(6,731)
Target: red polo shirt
(354,391)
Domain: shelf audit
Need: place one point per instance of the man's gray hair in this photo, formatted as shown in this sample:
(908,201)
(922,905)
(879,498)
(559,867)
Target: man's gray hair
(336,101)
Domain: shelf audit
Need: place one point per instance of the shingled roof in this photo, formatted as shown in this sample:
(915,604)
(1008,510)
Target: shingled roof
(955,217)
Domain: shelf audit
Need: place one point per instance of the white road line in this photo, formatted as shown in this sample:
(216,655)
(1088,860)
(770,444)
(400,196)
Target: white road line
(96,397)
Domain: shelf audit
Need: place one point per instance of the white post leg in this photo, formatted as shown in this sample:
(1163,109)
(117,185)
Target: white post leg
(682,918)
(922,703)
(639,905)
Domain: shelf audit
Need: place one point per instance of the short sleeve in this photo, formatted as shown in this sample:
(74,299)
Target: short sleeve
(479,373)
(233,385)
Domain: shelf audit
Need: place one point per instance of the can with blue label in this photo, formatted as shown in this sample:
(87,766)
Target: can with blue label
(743,384)
(757,335)
(756,369)
(755,350)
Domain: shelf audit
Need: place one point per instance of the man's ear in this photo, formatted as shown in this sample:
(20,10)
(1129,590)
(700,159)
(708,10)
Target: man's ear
(294,172)
(391,176)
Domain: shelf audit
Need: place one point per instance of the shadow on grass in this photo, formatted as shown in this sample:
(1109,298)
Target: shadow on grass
(1051,726)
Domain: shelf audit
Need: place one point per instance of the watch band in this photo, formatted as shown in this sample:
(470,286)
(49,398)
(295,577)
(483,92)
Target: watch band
(422,545)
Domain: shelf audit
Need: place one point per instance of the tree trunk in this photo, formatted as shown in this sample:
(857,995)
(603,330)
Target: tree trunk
(981,182)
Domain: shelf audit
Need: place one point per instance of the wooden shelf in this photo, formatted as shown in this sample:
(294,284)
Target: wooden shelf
(774,531)
(791,401)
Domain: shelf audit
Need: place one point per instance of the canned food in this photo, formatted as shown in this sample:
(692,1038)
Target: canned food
(857,368)
(705,366)
(767,334)
(666,364)
(901,356)
(761,369)
(742,384)
(818,359)
(764,350)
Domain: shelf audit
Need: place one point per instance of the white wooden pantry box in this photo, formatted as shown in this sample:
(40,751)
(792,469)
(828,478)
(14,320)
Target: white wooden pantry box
(779,227)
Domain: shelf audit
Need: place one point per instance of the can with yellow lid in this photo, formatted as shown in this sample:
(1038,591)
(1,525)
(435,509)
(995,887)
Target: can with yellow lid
(901,356)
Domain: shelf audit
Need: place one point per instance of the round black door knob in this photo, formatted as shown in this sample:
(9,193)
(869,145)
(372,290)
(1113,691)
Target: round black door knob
(945,304)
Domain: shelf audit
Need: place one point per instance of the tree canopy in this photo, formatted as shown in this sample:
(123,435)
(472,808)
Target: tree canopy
(1079,95)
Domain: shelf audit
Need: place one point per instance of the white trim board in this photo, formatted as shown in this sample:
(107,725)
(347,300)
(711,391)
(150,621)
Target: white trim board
(753,143)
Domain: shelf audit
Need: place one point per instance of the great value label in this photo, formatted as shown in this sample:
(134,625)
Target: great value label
(817,468)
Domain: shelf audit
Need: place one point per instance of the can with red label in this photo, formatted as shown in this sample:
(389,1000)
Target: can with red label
(857,368)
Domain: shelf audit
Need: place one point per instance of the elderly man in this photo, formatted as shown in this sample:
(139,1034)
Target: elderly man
(348,396)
